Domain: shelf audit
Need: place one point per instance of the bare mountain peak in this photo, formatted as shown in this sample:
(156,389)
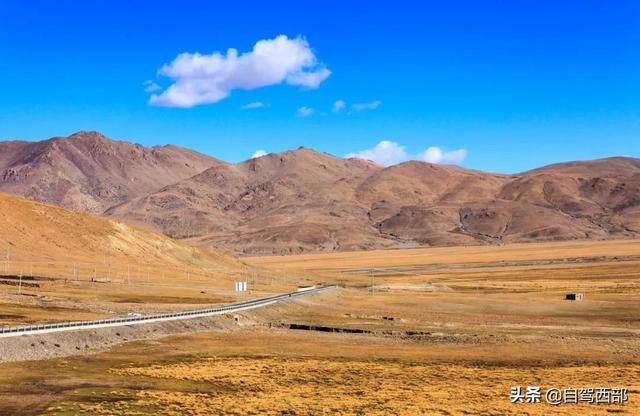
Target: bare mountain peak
(90,172)
(87,134)
(299,156)
(304,200)
(617,165)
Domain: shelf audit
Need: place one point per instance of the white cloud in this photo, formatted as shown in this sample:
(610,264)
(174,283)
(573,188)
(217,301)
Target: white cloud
(366,106)
(338,105)
(437,155)
(386,153)
(390,153)
(258,153)
(203,79)
(310,80)
(253,105)
(304,112)
(150,86)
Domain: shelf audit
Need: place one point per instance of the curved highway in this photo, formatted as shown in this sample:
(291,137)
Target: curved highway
(169,316)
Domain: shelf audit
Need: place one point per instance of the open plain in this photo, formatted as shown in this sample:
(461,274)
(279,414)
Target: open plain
(429,331)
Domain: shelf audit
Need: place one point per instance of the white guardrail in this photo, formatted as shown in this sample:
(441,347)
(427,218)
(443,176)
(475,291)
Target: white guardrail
(132,320)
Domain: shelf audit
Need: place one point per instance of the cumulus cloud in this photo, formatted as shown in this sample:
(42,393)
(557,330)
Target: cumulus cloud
(390,153)
(253,105)
(338,105)
(204,79)
(258,153)
(150,86)
(366,106)
(310,80)
(436,155)
(304,112)
(385,153)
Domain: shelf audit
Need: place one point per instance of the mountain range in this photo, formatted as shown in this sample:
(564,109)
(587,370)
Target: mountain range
(88,172)
(303,200)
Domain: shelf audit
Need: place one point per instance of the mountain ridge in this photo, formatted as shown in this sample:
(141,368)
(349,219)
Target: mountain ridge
(303,200)
(89,172)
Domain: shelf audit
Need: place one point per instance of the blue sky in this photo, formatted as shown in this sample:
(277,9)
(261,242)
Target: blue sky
(508,85)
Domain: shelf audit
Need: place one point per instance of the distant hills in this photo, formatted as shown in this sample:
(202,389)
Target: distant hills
(303,200)
(88,172)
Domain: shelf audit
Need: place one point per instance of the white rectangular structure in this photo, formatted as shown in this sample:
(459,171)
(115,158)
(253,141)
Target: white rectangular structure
(241,286)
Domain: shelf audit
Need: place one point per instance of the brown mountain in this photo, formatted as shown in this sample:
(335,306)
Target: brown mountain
(303,200)
(88,172)
(294,201)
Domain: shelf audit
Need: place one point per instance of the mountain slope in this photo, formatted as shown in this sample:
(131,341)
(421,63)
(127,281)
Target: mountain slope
(29,228)
(88,172)
(302,200)
(287,202)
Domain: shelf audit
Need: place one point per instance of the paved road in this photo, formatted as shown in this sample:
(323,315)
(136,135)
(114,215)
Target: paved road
(170,316)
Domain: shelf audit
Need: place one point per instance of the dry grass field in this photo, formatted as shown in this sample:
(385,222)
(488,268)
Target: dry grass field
(59,265)
(451,255)
(281,372)
(447,332)
(60,300)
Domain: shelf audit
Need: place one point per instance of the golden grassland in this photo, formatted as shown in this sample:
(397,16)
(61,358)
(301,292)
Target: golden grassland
(450,255)
(64,300)
(57,265)
(269,372)
(445,341)
(35,232)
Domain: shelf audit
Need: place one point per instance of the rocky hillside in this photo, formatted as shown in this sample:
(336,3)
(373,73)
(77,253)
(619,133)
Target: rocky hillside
(88,172)
(303,200)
